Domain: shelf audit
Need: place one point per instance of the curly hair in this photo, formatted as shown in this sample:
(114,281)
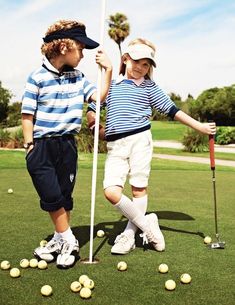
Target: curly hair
(146,42)
(52,49)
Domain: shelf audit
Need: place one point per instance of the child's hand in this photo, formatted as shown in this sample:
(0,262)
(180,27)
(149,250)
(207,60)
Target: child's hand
(209,128)
(103,60)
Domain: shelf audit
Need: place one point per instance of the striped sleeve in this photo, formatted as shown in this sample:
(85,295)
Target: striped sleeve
(30,96)
(160,100)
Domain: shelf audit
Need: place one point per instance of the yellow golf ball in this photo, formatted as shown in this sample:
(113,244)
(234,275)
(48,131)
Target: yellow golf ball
(170,285)
(163,268)
(100,233)
(24,263)
(42,264)
(207,240)
(14,272)
(88,283)
(75,286)
(85,293)
(5,265)
(46,290)
(82,278)
(122,266)
(185,278)
(43,243)
(33,263)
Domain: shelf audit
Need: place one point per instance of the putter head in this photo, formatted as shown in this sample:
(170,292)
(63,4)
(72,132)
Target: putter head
(217,245)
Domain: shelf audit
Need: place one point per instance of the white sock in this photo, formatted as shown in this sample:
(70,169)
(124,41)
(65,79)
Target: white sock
(141,203)
(56,236)
(68,235)
(133,213)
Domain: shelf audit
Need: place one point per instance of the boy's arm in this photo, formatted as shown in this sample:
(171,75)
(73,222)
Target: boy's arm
(91,125)
(205,128)
(27,126)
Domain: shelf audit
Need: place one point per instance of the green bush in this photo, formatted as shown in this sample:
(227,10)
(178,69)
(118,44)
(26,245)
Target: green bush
(195,142)
(18,138)
(4,137)
(225,135)
(86,139)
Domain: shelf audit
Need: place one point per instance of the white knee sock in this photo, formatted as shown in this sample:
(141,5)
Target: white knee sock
(141,203)
(133,213)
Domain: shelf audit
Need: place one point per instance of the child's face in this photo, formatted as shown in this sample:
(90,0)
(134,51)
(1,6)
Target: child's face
(136,69)
(74,55)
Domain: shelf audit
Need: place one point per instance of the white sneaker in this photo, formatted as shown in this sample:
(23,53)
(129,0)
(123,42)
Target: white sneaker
(154,235)
(123,244)
(48,252)
(69,254)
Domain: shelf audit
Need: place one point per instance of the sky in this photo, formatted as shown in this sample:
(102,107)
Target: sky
(194,39)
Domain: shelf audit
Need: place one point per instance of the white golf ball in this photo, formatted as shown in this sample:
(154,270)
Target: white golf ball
(185,278)
(163,268)
(46,290)
(24,263)
(170,285)
(10,191)
(33,263)
(43,243)
(100,233)
(207,240)
(85,293)
(5,265)
(14,272)
(75,286)
(82,278)
(122,266)
(42,264)
(88,283)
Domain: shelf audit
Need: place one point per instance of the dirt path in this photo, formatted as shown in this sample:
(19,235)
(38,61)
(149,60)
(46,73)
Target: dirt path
(194,159)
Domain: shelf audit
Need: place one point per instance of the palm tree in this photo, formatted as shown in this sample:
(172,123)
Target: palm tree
(119,28)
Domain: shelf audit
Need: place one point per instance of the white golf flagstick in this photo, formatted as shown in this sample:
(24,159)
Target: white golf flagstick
(96,135)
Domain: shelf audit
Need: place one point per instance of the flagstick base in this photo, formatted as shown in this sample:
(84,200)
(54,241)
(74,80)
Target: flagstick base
(87,261)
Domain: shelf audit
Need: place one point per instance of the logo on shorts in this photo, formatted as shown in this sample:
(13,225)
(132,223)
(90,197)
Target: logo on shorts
(71,177)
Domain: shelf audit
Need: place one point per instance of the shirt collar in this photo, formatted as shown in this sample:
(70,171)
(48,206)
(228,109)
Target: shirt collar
(50,67)
(121,78)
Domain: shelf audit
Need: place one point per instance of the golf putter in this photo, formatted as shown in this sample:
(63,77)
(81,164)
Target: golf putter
(218,244)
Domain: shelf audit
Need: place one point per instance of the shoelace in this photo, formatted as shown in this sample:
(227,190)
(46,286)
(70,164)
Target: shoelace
(51,244)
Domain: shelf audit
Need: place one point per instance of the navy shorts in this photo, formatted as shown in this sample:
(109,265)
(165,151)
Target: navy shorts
(52,165)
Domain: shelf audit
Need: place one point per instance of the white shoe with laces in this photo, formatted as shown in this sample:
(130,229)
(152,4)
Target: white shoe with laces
(69,254)
(154,235)
(48,252)
(123,244)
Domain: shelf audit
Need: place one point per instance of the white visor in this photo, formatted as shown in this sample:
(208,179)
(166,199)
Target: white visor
(140,51)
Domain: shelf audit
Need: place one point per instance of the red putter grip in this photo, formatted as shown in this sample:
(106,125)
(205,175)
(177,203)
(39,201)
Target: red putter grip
(212,151)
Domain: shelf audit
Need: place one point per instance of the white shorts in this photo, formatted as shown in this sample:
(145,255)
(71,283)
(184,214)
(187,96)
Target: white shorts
(130,156)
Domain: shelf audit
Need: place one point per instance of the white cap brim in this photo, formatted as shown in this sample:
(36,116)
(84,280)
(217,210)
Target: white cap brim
(140,51)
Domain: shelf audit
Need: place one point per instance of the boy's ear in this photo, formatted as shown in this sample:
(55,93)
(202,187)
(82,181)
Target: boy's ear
(63,48)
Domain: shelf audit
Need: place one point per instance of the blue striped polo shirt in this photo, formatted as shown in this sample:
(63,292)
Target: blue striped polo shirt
(129,107)
(56,100)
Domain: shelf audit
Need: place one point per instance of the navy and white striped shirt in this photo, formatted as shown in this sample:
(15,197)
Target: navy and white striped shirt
(129,107)
(56,100)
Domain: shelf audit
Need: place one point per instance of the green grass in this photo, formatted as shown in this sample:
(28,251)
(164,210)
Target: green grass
(168,130)
(179,192)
